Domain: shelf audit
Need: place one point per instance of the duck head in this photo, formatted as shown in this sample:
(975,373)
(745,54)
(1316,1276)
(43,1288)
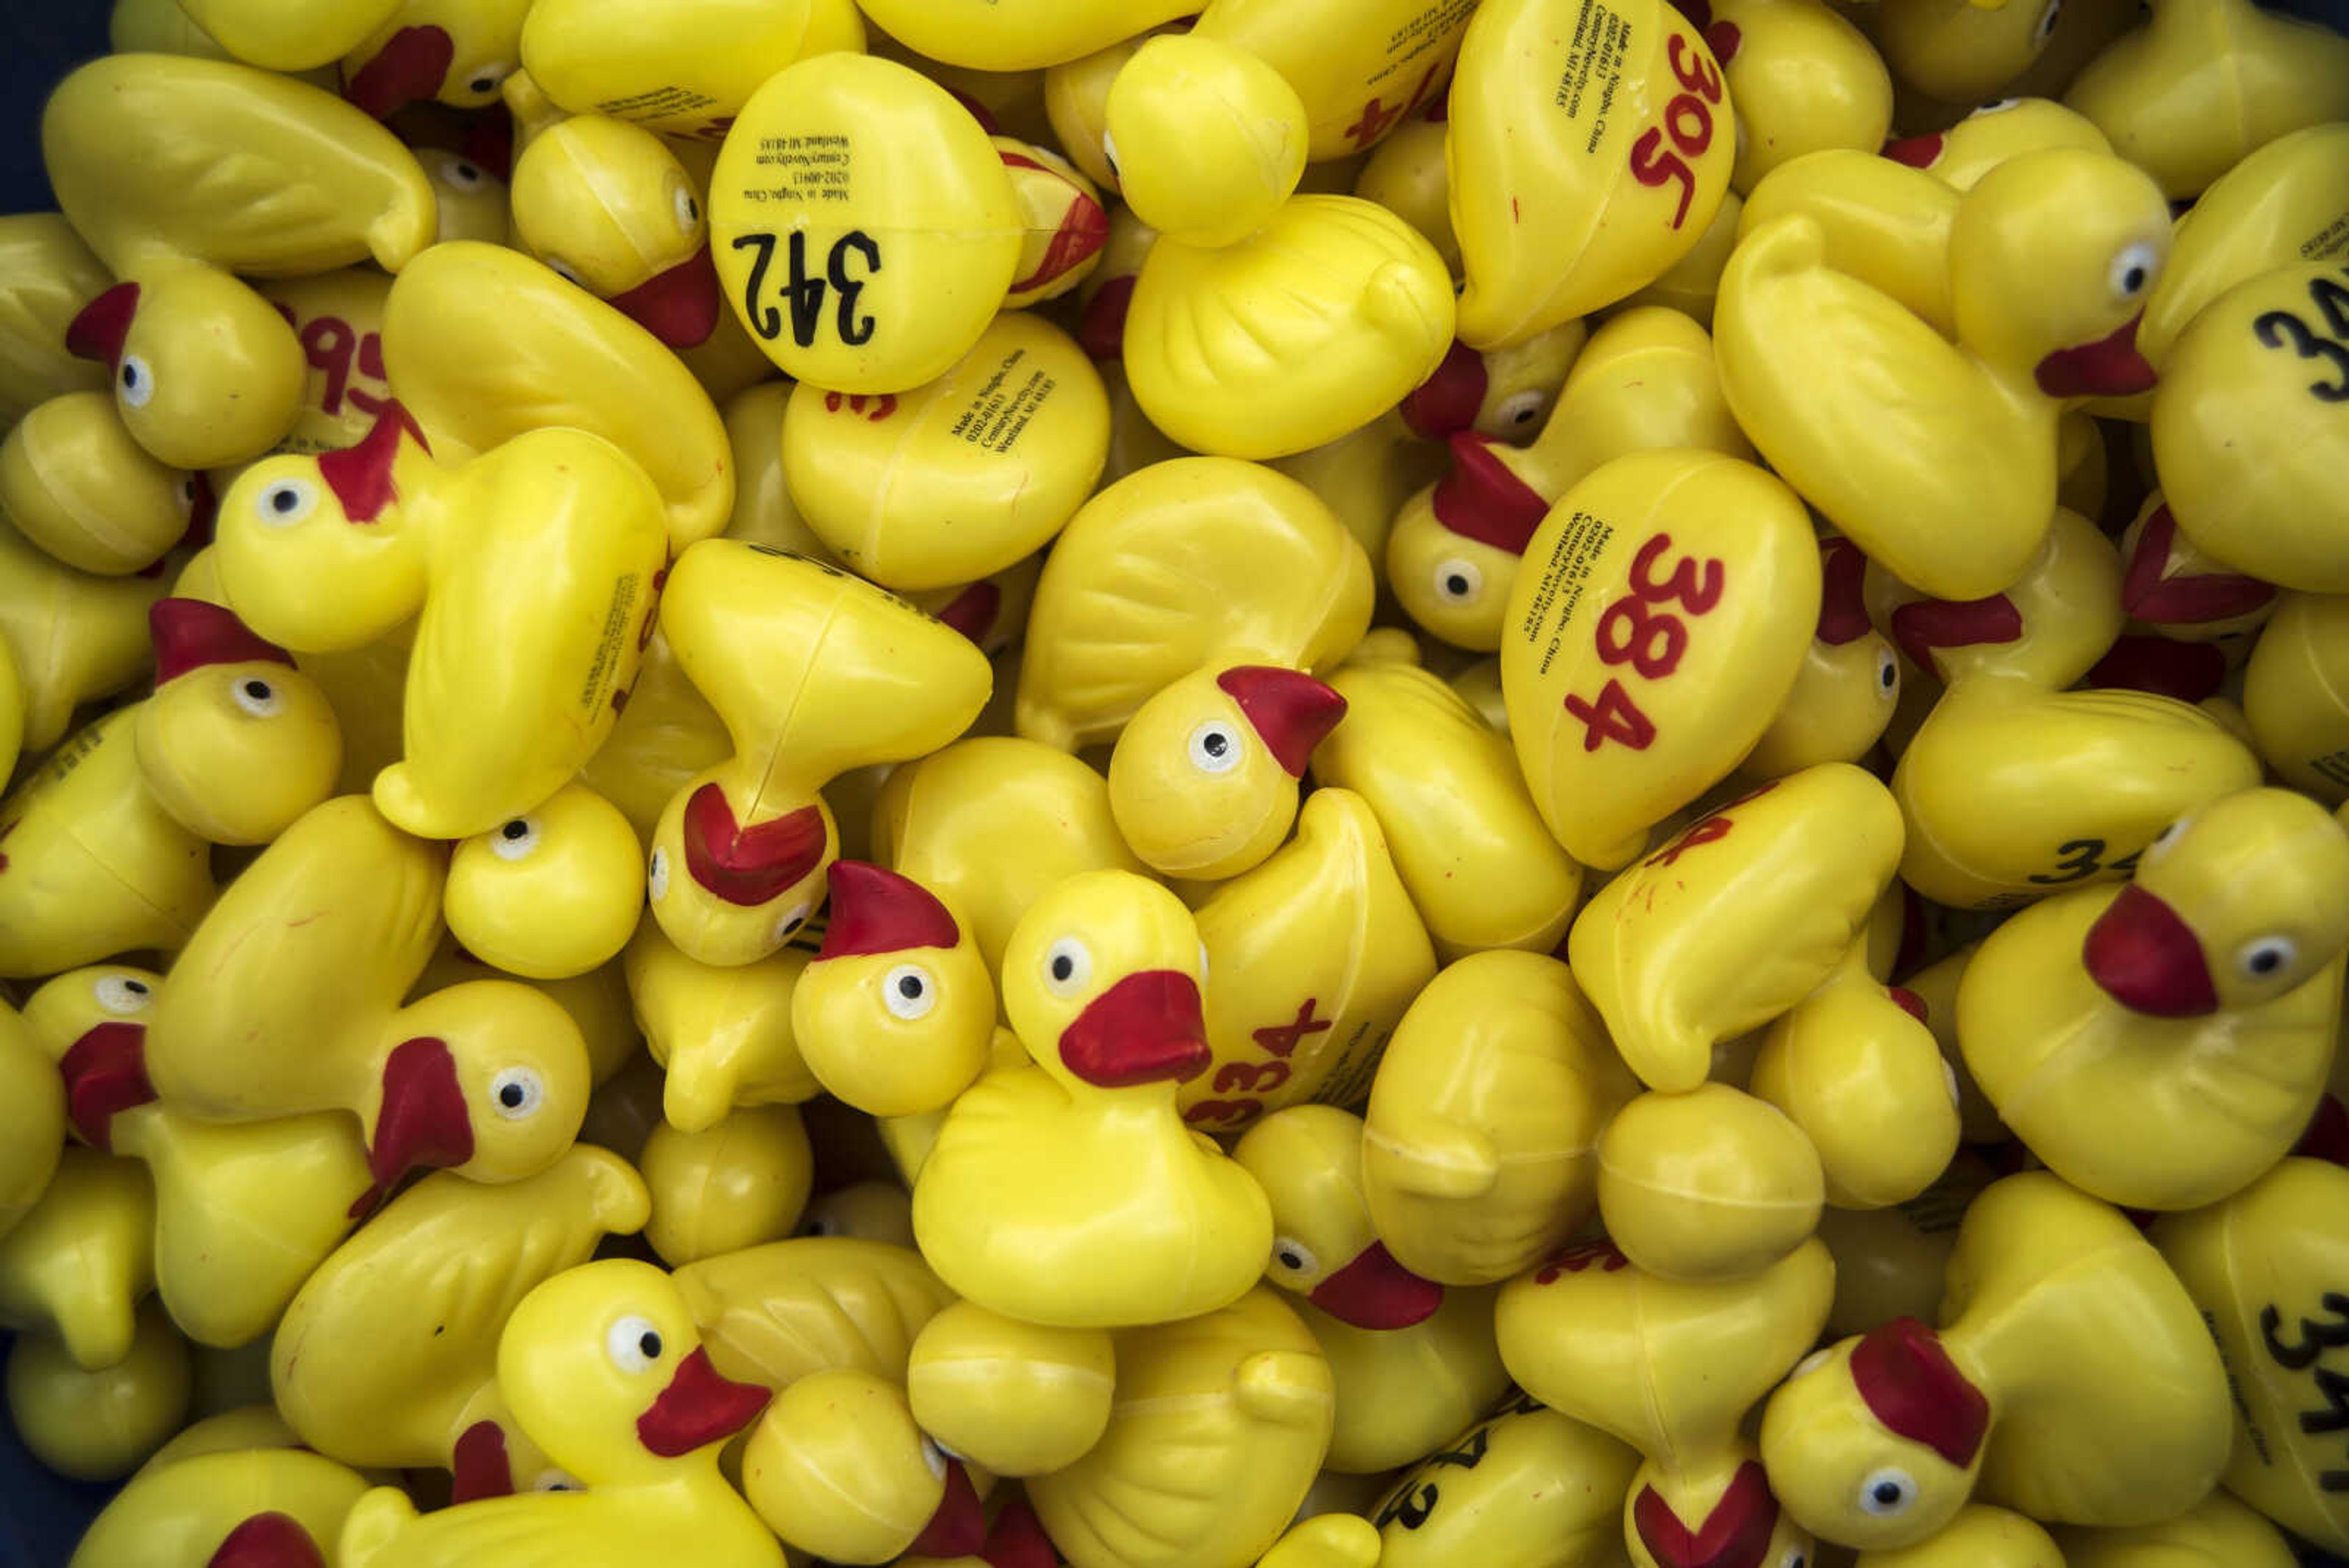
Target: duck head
(2052,624)
(1205,140)
(206,373)
(1100,981)
(1993,133)
(1309,1160)
(895,1013)
(1506,394)
(2232,907)
(236,742)
(93,1023)
(608,205)
(733,885)
(459,54)
(1204,779)
(1739,1525)
(550,893)
(839,1468)
(1455,547)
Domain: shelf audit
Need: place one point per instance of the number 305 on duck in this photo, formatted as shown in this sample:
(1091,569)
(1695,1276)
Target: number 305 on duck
(1688,119)
(1637,629)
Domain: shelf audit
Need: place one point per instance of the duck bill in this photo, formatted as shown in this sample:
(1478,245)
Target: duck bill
(267,1541)
(1482,498)
(1446,403)
(103,325)
(1145,1029)
(411,64)
(1925,625)
(2109,368)
(875,910)
(478,1465)
(424,1120)
(1375,1291)
(2148,959)
(958,1528)
(1843,594)
(190,634)
(1291,712)
(1917,152)
(105,1074)
(972,612)
(698,1408)
(679,307)
(2188,600)
(364,477)
(1016,1539)
(747,867)
(1100,329)
(2188,672)
(1736,1535)
(1912,1386)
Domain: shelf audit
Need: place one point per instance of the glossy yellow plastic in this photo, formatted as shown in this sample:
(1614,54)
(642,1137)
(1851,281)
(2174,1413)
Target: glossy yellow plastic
(46,275)
(175,171)
(1979,1537)
(2291,695)
(722,1034)
(1406,175)
(1012,1396)
(183,1511)
(1736,919)
(774,1314)
(2051,625)
(734,1185)
(1643,553)
(1671,1369)
(1466,838)
(76,1266)
(337,318)
(666,735)
(1364,476)
(550,893)
(1849,683)
(597,1000)
(738,855)
(1588,150)
(1226,558)
(388,1356)
(603,1368)
(1689,285)
(1801,77)
(982,35)
(71,636)
(1889,1262)
(960,476)
(876,1211)
(1961,51)
(2049,261)
(100,1425)
(2011,791)
(1244,1395)
(32,1119)
(280,37)
(1357,84)
(684,68)
(1645,379)
(2202,83)
(837,1468)
(765,512)
(2162,1046)
(2072,1380)
(1711,1185)
(75,483)
(2248,420)
(1524,1487)
(472,201)
(1959,156)
(2217,1531)
(1479,1150)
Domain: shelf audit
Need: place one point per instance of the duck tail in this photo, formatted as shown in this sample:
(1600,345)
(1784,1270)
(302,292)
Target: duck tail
(372,1523)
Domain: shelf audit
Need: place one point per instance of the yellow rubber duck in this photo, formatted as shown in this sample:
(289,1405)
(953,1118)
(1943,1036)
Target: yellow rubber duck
(280,37)
(1802,78)
(740,855)
(1671,1369)
(1264,322)
(775,1314)
(338,316)
(1959,156)
(684,68)
(2217,1532)
(1979,1537)
(2183,1051)
(736,1184)
(33,1119)
(1479,1147)
(2051,625)
(2072,1380)
(2050,260)
(1405,174)
(72,637)
(2298,723)
(46,275)
(1072,1195)
(177,172)
(386,1357)
(455,51)
(597,1000)
(1411,1363)
(1962,52)
(278,1006)
(76,484)
(603,1367)
(1507,394)
(1849,683)
(839,1468)
(99,1426)
(722,1034)
(667,734)
(217,1510)
(1711,1184)
(864,1211)
(1014,1397)
(551,894)
(242,1214)
(1244,1393)
(80,1261)
(1494,1495)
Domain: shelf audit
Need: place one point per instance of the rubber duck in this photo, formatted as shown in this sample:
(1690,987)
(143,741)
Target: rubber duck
(2217,1531)
(277,1007)
(239,1505)
(666,735)
(1712,1184)
(1506,395)
(1479,1146)
(837,1466)
(1357,86)
(80,1261)
(740,855)
(1987,137)
(777,1313)
(1849,683)
(1405,174)
(457,52)
(1980,1537)
(736,1184)
(1645,380)
(684,68)
(1464,835)
(98,1424)
(722,1034)
(76,484)
(337,318)
(552,893)
(1364,476)
(1100,981)
(2051,257)
(72,637)
(1671,1369)
(1623,731)
(1963,54)
(1315,954)
(2088,779)
(32,1117)
(1550,228)
(2032,1394)
(1410,1362)
(1494,1494)
(1016,1399)
(47,276)
(1031,36)
(2298,723)
(387,1357)
(959,477)
(1889,1262)
(863,1211)
(1246,1393)
(1325,1541)
(1802,78)
(174,170)
(602,1366)
(2052,624)
(1690,284)
(597,1002)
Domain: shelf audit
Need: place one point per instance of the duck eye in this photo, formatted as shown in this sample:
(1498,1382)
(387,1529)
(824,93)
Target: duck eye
(558,1481)
(1888,672)
(1458,581)
(656,875)
(1996,106)
(285,502)
(2040,34)
(1068,965)
(908,992)
(487,79)
(563,270)
(934,1458)
(688,210)
(633,1343)
(2133,270)
(817,1225)
(793,918)
(2266,957)
(1109,156)
(462,174)
(137,381)
(255,696)
(516,1092)
(1888,1492)
(1519,412)
(1214,747)
(1795,1557)
(514,840)
(1291,1256)
(120,993)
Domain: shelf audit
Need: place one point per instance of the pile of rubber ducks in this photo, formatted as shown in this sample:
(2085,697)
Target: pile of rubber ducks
(1181,783)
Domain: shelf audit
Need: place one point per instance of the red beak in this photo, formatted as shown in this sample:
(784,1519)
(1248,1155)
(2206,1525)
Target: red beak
(267,1541)
(1377,1293)
(203,508)
(1145,1028)
(361,476)
(1482,498)
(749,866)
(2148,959)
(1917,152)
(1101,328)
(189,634)
(698,1408)
(99,330)
(1913,1387)
(877,911)
(1291,712)
(1736,1535)
(424,1120)
(972,611)
(1084,229)
(678,307)
(2327,1137)
(2188,600)
(412,65)
(105,1071)
(1843,605)
(2188,672)
(1927,623)
(1722,37)
(479,1464)
(958,1528)
(2109,368)
(1446,404)
(1016,1540)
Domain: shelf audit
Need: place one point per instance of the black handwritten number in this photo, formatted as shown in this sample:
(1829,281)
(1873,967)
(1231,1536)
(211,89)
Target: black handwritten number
(2315,1338)
(2334,1416)
(1468,1455)
(1416,1501)
(2332,303)
(805,295)
(2081,863)
(2278,327)
(854,330)
(765,319)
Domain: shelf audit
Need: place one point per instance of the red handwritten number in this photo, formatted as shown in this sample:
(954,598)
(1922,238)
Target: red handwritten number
(1689,122)
(1651,640)
(1693,69)
(1614,717)
(1640,644)
(1234,1075)
(1696,586)
(1575,1260)
(1712,830)
(1648,168)
(1281,1038)
(1223,1111)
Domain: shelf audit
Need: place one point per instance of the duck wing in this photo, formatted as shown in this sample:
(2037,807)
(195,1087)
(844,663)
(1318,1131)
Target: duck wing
(46,275)
(773,1313)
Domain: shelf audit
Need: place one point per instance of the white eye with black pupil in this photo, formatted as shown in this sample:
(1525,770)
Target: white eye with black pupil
(487,79)
(2133,270)
(1886,1492)
(687,211)
(2266,957)
(137,381)
(1520,409)
(1291,1256)
(1214,747)
(255,696)
(908,992)
(563,270)
(656,875)
(516,1093)
(285,502)
(793,918)
(2047,21)
(1068,966)
(514,840)
(462,174)
(1888,672)
(121,994)
(633,1343)
(1458,581)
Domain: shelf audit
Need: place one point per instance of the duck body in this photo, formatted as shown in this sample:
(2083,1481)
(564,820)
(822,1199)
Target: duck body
(1494,1495)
